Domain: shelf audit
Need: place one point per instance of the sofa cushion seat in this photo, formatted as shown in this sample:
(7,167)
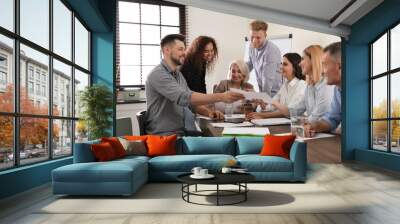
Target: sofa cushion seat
(257,163)
(184,163)
(113,171)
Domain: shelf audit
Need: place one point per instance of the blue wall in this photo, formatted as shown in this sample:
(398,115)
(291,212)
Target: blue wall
(356,82)
(99,15)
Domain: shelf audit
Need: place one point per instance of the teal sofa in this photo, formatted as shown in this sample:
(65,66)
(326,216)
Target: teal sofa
(125,176)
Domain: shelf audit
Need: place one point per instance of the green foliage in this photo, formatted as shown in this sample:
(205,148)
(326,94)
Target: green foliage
(380,127)
(97,102)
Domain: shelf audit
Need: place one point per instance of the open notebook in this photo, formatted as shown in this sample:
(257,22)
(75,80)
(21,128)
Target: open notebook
(270,121)
(245,131)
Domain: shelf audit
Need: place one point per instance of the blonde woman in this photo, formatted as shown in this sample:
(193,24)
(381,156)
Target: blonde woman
(318,95)
(238,77)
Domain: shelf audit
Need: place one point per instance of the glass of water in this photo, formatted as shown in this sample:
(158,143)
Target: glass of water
(296,122)
(228,109)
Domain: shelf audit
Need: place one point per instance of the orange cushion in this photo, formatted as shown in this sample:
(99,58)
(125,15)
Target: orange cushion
(277,145)
(116,145)
(103,151)
(136,137)
(161,145)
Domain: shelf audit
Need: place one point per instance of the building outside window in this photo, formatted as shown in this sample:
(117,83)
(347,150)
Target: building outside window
(58,133)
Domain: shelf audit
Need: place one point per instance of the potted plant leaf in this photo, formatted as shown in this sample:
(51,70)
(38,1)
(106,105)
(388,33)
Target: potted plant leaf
(96,102)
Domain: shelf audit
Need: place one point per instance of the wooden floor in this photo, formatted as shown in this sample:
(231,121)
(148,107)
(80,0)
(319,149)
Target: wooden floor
(379,189)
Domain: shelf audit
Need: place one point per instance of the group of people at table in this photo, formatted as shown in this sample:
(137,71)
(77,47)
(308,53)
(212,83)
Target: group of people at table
(310,83)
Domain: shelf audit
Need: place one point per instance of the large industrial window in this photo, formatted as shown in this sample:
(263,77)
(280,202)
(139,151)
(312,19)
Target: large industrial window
(385,93)
(140,27)
(44,63)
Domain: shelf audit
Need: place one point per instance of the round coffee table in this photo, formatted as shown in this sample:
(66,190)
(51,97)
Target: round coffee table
(238,179)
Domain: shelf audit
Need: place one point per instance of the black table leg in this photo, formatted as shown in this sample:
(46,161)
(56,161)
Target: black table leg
(245,193)
(217,194)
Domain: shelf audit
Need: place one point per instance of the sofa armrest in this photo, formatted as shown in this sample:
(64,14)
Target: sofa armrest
(298,155)
(83,152)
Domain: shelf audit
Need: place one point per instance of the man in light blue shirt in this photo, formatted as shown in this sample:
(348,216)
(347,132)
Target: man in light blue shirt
(264,59)
(332,64)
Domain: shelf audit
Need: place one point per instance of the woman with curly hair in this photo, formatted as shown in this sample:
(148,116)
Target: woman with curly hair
(200,59)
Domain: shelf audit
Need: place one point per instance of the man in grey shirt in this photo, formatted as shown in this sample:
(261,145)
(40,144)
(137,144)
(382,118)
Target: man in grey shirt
(169,99)
(265,59)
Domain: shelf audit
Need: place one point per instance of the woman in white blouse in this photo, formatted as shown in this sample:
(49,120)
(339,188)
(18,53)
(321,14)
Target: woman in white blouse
(292,91)
(318,95)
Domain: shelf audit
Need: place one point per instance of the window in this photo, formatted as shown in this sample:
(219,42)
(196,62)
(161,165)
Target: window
(37,91)
(3,72)
(385,95)
(62,29)
(45,131)
(140,27)
(7,14)
(3,78)
(35,22)
(81,45)
(30,72)
(30,87)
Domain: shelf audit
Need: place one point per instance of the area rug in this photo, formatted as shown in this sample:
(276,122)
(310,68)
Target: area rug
(167,198)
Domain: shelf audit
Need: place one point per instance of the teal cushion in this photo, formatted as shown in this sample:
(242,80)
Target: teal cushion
(257,163)
(111,171)
(83,152)
(249,145)
(185,163)
(207,145)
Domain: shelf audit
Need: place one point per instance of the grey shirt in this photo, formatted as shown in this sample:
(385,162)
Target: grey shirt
(168,100)
(266,63)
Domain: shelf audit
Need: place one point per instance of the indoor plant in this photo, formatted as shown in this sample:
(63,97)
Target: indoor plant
(96,102)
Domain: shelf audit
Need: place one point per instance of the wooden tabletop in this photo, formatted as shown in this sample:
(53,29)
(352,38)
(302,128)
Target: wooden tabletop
(322,150)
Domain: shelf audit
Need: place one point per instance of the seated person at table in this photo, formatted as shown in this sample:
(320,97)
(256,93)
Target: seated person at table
(169,97)
(238,75)
(290,93)
(332,64)
(318,94)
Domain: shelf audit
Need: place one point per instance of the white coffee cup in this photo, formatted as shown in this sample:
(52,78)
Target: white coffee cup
(226,170)
(196,170)
(203,172)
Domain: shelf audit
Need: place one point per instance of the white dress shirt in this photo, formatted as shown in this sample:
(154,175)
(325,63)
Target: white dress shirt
(291,93)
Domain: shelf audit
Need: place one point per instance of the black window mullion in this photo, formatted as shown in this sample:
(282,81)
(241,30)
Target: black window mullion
(371,137)
(73,82)
(140,41)
(50,87)
(16,84)
(389,101)
(159,11)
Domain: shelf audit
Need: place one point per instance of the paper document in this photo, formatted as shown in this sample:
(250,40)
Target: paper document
(270,121)
(316,136)
(203,117)
(247,131)
(229,125)
(253,95)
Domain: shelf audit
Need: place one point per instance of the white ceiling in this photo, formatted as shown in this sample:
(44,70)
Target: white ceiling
(315,15)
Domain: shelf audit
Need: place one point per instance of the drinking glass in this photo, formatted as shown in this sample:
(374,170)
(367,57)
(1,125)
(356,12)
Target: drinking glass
(228,110)
(296,122)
